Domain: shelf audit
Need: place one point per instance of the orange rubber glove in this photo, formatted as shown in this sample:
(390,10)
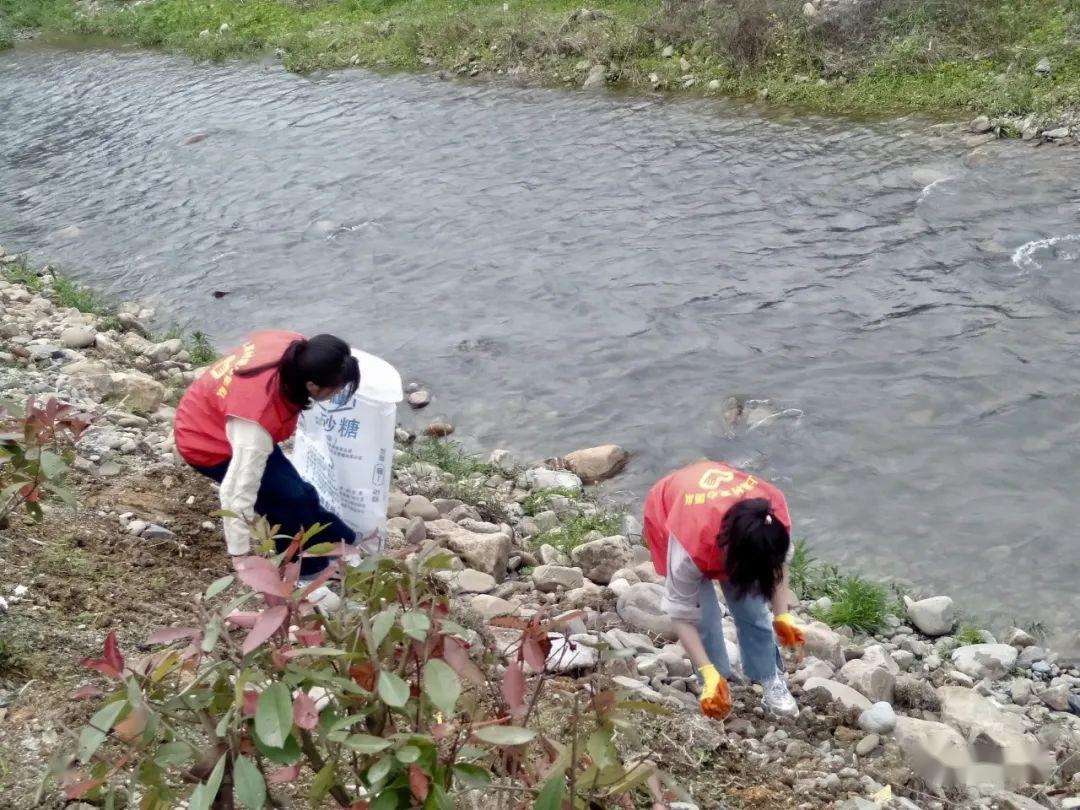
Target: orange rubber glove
(715,697)
(787,633)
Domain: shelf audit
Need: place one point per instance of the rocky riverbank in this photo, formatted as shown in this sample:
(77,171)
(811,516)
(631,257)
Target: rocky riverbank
(907,716)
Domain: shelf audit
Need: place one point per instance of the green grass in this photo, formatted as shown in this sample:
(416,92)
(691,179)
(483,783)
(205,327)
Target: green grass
(448,456)
(880,57)
(20,273)
(538,501)
(572,533)
(67,293)
(7,37)
(861,605)
(200,349)
(970,634)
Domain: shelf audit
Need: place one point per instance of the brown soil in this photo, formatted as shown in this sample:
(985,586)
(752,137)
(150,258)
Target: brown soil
(87,575)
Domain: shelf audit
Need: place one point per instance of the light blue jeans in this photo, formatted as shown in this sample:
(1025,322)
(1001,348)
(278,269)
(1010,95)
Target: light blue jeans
(753,623)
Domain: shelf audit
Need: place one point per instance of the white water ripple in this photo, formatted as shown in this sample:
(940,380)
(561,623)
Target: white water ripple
(1024,258)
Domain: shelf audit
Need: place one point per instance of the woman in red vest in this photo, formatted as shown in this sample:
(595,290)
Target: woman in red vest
(231,420)
(707,523)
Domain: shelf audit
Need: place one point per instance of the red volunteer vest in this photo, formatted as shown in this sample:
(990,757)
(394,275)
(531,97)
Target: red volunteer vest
(199,429)
(690,505)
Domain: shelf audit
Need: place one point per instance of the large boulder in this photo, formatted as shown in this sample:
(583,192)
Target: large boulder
(985,660)
(549,578)
(487,552)
(998,738)
(78,337)
(932,617)
(838,693)
(138,392)
(600,559)
(934,751)
(824,643)
(639,607)
(490,607)
(597,463)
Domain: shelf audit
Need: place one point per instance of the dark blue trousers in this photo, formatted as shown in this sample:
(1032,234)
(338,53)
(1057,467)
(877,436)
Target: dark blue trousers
(287,500)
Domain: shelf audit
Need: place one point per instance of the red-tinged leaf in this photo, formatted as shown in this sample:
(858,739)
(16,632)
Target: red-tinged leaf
(243,618)
(321,579)
(359,804)
(511,622)
(291,574)
(287,774)
(77,790)
(456,655)
(513,688)
(440,731)
(310,636)
(86,692)
(30,493)
(418,783)
(111,663)
(251,700)
(261,575)
(131,726)
(304,713)
(167,635)
(533,653)
(267,624)
(605,702)
(364,674)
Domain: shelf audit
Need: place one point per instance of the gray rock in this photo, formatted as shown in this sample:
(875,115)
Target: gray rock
(543,478)
(595,464)
(470,580)
(489,553)
(838,693)
(1018,638)
(491,607)
(868,744)
(639,607)
(546,521)
(77,337)
(395,504)
(549,555)
(1043,66)
(549,578)
(985,660)
(420,507)
(1029,655)
(824,643)
(935,752)
(156,532)
(911,692)
(980,125)
(419,399)
(596,78)
(599,559)
(137,527)
(1057,697)
(812,667)
(869,678)
(935,616)
(416,532)
(1020,690)
(904,659)
(878,719)
(1056,134)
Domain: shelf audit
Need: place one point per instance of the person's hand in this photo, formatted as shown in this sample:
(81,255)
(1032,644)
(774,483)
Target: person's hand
(787,633)
(715,697)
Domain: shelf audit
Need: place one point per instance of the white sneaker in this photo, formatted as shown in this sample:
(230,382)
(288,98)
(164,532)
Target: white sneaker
(777,699)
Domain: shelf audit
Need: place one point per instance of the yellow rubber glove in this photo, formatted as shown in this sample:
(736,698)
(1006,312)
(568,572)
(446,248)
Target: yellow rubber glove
(787,633)
(715,698)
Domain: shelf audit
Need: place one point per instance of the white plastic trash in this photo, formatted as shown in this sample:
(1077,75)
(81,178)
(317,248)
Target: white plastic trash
(345,448)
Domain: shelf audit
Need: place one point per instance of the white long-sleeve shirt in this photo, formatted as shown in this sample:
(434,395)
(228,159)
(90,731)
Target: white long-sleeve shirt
(251,447)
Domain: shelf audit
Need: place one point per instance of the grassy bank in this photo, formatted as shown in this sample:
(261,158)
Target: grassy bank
(875,56)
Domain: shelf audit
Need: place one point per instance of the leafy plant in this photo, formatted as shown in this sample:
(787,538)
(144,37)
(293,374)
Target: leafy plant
(36,449)
(67,293)
(19,272)
(449,456)
(383,704)
(539,501)
(200,349)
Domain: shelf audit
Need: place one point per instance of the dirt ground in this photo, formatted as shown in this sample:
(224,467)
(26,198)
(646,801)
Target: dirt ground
(86,575)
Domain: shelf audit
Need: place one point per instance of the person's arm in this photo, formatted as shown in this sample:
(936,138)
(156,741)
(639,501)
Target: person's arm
(251,447)
(681,601)
(781,600)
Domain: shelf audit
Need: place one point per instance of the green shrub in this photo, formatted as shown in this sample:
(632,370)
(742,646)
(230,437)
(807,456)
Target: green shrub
(861,605)
(572,533)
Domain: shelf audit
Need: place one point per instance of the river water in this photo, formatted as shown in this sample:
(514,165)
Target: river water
(566,269)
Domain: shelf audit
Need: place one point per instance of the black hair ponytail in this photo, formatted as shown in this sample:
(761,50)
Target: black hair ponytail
(755,544)
(325,360)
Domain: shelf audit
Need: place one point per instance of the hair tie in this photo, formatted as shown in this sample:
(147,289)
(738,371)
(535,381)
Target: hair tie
(768,519)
